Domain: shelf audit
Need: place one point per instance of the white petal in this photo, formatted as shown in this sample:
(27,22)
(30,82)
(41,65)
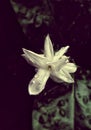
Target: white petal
(37,84)
(70,67)
(48,47)
(61,52)
(56,79)
(62,76)
(60,63)
(36,59)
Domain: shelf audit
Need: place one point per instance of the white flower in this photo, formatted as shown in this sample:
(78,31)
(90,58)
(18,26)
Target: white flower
(55,65)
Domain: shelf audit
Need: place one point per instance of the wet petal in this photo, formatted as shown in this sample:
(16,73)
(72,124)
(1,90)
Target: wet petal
(70,67)
(37,84)
(48,47)
(62,76)
(36,59)
(60,63)
(56,79)
(61,52)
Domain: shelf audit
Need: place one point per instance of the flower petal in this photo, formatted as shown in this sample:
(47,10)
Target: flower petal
(61,52)
(70,67)
(60,63)
(62,75)
(37,84)
(36,59)
(48,47)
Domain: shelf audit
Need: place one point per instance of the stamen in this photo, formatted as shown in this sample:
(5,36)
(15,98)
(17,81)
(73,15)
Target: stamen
(49,67)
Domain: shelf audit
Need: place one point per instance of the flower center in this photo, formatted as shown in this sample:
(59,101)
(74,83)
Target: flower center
(49,67)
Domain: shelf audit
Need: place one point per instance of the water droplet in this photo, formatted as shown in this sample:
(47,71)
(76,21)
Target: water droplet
(33,82)
(36,76)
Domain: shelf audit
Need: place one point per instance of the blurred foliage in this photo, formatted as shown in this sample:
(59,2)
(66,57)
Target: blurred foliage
(60,107)
(83,99)
(52,111)
(32,13)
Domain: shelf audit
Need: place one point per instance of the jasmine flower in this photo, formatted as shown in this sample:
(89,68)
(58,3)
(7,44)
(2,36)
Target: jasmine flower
(50,64)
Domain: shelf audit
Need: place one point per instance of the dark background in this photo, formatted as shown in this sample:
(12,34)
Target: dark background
(71,26)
